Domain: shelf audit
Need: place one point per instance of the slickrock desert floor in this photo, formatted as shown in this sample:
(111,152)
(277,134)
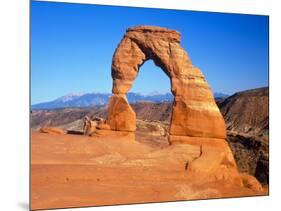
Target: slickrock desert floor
(121,168)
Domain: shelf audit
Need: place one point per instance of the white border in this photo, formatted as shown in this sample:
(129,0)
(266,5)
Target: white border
(231,6)
(14,105)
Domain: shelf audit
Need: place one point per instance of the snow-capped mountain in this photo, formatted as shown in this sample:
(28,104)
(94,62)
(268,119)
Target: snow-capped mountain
(95,99)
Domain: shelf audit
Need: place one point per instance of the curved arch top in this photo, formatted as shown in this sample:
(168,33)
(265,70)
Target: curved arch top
(194,112)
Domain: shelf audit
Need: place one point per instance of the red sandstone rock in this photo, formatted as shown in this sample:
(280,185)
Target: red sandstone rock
(120,114)
(251,182)
(103,126)
(195,112)
(51,130)
(114,164)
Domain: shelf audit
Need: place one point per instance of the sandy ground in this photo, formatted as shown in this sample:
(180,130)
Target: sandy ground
(114,168)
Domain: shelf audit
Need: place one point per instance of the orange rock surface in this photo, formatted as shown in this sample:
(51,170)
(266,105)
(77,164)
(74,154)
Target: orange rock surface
(51,130)
(122,116)
(114,168)
(195,112)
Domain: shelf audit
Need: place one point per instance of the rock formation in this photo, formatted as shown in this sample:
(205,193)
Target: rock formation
(247,112)
(121,115)
(246,115)
(51,130)
(194,111)
(89,126)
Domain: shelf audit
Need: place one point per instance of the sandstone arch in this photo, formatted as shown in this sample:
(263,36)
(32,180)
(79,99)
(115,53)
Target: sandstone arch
(194,112)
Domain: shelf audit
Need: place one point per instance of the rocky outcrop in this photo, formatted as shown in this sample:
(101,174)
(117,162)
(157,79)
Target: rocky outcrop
(194,111)
(246,115)
(262,169)
(52,130)
(122,116)
(89,126)
(251,154)
(251,182)
(153,128)
(64,116)
(247,112)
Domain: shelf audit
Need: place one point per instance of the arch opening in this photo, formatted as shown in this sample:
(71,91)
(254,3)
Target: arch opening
(151,79)
(151,99)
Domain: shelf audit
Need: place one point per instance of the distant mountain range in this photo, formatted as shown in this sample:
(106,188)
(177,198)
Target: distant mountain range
(96,99)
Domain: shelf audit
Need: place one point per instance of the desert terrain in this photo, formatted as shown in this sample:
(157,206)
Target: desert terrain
(111,167)
(71,170)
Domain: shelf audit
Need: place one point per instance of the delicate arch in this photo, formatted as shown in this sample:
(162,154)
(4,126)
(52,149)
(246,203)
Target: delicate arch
(194,112)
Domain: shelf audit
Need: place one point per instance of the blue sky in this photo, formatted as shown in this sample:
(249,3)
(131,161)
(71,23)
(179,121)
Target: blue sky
(72,47)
